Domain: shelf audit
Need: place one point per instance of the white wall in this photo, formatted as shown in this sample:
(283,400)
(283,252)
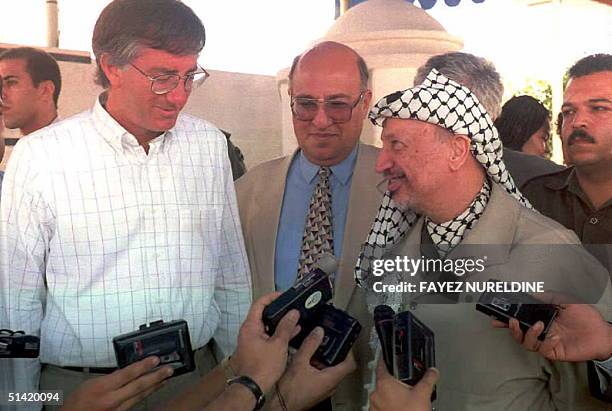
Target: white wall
(246,105)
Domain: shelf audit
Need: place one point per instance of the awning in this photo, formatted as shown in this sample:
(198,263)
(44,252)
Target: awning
(424,4)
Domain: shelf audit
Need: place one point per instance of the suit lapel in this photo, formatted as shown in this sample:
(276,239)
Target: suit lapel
(266,223)
(364,201)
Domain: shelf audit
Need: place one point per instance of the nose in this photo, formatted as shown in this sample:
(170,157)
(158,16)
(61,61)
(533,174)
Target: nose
(384,161)
(321,120)
(580,119)
(178,97)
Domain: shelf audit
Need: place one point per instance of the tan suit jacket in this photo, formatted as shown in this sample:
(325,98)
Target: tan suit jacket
(483,368)
(260,198)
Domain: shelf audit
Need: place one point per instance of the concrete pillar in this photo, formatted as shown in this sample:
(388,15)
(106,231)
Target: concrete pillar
(52,25)
(344,6)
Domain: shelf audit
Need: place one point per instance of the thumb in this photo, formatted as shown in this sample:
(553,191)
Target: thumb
(427,383)
(285,329)
(310,345)
(381,370)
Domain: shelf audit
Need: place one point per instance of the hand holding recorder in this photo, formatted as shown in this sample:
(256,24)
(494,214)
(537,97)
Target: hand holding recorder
(578,333)
(393,395)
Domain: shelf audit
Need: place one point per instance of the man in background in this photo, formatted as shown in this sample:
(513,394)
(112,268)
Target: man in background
(31,88)
(480,76)
(580,197)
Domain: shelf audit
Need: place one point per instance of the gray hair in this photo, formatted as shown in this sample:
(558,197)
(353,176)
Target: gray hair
(475,73)
(126,26)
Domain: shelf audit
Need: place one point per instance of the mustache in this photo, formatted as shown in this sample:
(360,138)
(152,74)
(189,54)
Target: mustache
(580,134)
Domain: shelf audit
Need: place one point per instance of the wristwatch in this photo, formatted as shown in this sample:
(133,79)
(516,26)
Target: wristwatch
(248,382)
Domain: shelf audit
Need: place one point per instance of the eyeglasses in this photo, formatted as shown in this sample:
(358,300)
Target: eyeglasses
(165,83)
(306,109)
(1,102)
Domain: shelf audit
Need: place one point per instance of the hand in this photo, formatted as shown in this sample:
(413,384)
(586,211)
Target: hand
(304,385)
(578,333)
(120,390)
(259,356)
(393,395)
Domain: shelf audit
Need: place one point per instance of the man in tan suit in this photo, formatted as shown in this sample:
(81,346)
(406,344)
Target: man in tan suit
(329,99)
(442,158)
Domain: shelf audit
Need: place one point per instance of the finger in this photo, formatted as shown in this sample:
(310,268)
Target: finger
(349,364)
(131,402)
(515,330)
(257,308)
(309,346)
(286,326)
(142,384)
(531,341)
(123,376)
(499,324)
(427,383)
(374,402)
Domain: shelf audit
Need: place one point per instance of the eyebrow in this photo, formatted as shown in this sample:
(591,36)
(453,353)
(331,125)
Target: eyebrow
(330,97)
(600,100)
(164,70)
(590,101)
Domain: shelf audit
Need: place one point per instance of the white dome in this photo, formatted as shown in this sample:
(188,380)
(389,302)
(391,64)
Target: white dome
(383,15)
(391,32)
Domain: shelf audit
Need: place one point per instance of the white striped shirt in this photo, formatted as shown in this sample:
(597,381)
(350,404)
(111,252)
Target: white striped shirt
(97,238)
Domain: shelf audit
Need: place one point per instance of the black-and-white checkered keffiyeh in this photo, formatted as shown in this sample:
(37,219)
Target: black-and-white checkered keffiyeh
(445,103)
(448,104)
(449,234)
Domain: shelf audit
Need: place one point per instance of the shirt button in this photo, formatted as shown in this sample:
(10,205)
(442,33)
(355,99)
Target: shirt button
(594,220)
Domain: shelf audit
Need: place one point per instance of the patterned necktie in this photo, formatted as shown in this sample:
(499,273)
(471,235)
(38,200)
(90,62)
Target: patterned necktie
(318,236)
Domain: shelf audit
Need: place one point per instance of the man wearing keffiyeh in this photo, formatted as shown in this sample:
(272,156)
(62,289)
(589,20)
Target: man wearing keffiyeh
(450,196)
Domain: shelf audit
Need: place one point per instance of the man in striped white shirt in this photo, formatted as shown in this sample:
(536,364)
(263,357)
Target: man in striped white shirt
(124,214)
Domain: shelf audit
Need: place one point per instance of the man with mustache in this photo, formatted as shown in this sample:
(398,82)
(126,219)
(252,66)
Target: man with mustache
(580,197)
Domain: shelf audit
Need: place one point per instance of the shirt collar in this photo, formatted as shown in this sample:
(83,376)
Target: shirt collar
(343,170)
(569,180)
(115,134)
(571,184)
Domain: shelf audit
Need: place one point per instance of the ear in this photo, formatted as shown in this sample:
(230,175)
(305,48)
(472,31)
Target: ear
(46,89)
(111,71)
(459,151)
(367,99)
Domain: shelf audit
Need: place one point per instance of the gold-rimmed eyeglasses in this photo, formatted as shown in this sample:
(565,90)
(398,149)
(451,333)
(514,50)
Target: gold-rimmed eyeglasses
(339,111)
(165,83)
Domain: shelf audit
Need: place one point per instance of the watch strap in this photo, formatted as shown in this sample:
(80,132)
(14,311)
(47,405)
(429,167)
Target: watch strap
(228,370)
(248,382)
